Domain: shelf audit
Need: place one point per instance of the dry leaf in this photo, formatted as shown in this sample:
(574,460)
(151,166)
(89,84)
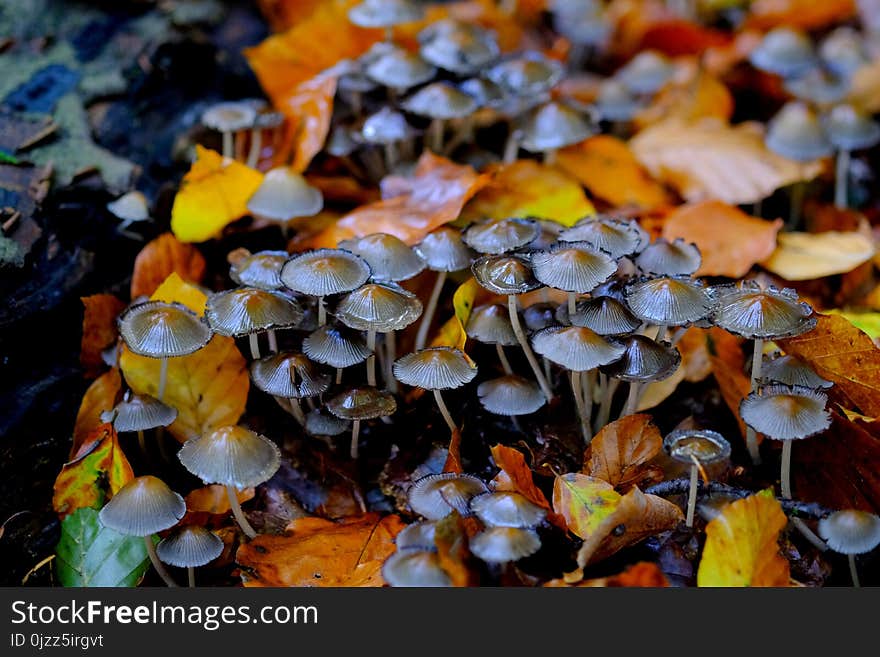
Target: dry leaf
(585,503)
(693,94)
(730,241)
(160,258)
(643,574)
(516,476)
(214,500)
(806,256)
(734,386)
(699,160)
(619,451)
(804,14)
(101,396)
(742,545)
(867,322)
(451,538)
(308,110)
(657,392)
(452,333)
(98,330)
(607,168)
(677,37)
(318,552)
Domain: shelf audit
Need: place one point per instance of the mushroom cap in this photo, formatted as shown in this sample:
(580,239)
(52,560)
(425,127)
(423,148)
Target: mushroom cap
(142,507)
(576,348)
(507,509)
(702,444)
(385,13)
(261,269)
(485,92)
(573,266)
(843,51)
(190,547)
(615,102)
(554,125)
(229,116)
(490,324)
(460,48)
(440,100)
(289,375)
(414,567)
(786,412)
(792,371)
(131,206)
(319,423)
(752,312)
(504,274)
(615,237)
(232,456)
(796,133)
(269,119)
(784,51)
(380,307)
(341,141)
(645,73)
(539,316)
(386,126)
(497,236)
(362,403)
(818,86)
(645,360)
(585,23)
(527,75)
(665,258)
(604,315)
(443,250)
(435,368)
(162,330)
(352,79)
(335,346)
(850,130)
(850,531)
(399,69)
(325,271)
(139,413)
(669,300)
(247,310)
(419,534)
(510,395)
(389,257)
(435,496)
(284,194)
(503,544)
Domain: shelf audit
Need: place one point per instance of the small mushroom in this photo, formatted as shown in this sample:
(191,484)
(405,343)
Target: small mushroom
(139,413)
(507,509)
(435,496)
(440,102)
(414,566)
(284,195)
(388,256)
(234,457)
(791,371)
(646,73)
(604,315)
(497,545)
(510,395)
(848,130)
(387,128)
(618,238)
(418,534)
(695,447)
(290,376)
(399,70)
(665,258)
(358,404)
(131,207)
(335,346)
(320,423)
(190,547)
(616,104)
(818,86)
(497,236)
(552,126)
(669,301)
(843,51)
(851,532)
(261,269)
(460,48)
(250,311)
(265,121)
(643,361)
(490,324)
(529,74)
(228,118)
(784,51)
(573,267)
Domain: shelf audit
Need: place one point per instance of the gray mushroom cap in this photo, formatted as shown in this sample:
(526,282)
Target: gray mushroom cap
(604,315)
(414,567)
(645,360)
(818,86)
(261,269)
(851,130)
(440,100)
(325,271)
(504,274)
(362,403)
(784,51)
(320,423)
(669,300)
(576,348)
(460,48)
(435,496)
(507,509)
(752,312)
(388,256)
(843,51)
(540,315)
(796,133)
(142,507)
(490,324)
(485,92)
(131,206)
(443,250)
(418,534)
(554,125)
(496,236)
(386,126)
(162,330)
(139,413)
(850,531)
(645,73)
(615,102)
(385,13)
(573,266)
(665,258)
(791,371)
(289,375)
(247,310)
(399,69)
(231,456)
(190,547)
(283,195)
(786,412)
(527,75)
(341,141)
(616,237)
(335,346)
(381,307)
(435,368)
(504,544)
(704,445)
(510,395)
(229,116)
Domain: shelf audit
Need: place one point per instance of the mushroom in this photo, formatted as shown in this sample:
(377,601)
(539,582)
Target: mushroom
(643,361)
(139,413)
(156,329)
(497,236)
(784,51)
(386,128)
(131,207)
(552,126)
(460,48)
(507,509)
(143,507)
(848,130)
(386,14)
(399,70)
(573,267)
(388,256)
(414,566)
(604,315)
(618,238)
(234,457)
(358,404)
(418,534)
(353,83)
(250,311)
(335,346)
(497,545)
(443,251)
(791,371)
(322,272)
(290,376)
(646,73)
(665,258)
(284,195)
(435,496)
(818,86)
(228,118)
(490,324)
(616,104)
(319,423)
(261,269)
(510,395)
(668,301)
(528,74)
(843,51)
(436,369)
(696,448)
(439,101)
(585,24)
(851,532)
(190,547)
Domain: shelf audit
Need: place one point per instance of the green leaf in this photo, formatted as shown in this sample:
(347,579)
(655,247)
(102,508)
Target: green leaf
(91,555)
(8,158)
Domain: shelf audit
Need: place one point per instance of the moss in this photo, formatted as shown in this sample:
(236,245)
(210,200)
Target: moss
(11,254)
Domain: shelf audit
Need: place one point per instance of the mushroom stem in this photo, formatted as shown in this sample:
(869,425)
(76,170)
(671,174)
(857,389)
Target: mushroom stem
(297,411)
(841,175)
(191,577)
(692,496)
(253,157)
(751,436)
(374,163)
(428,315)
(322,312)
(391,354)
(158,565)
(391,156)
(273,341)
(604,413)
(505,364)
(577,391)
(572,304)
(249,531)
(338,375)
(355,432)
(524,343)
(435,136)
(163,379)
(852,570)
(511,147)
(142,442)
(464,134)
(255,346)
(228,146)
(588,382)
(632,399)
(785,475)
(371,359)
(444,411)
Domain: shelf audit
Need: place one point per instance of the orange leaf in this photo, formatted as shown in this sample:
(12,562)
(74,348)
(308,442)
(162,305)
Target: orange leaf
(98,330)
(619,451)
(606,167)
(282,14)
(451,539)
(214,500)
(805,14)
(453,456)
(434,196)
(318,552)
(308,109)
(680,37)
(730,241)
(101,396)
(692,95)
(643,574)
(734,386)
(160,258)
(742,545)
(516,476)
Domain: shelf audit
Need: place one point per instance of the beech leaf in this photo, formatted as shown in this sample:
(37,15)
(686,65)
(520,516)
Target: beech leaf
(619,452)
(160,258)
(806,256)
(98,330)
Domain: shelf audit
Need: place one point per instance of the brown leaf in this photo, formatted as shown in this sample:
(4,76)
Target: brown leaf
(643,574)
(693,94)
(160,258)
(619,451)
(734,387)
(804,14)
(516,476)
(451,538)
(101,396)
(453,456)
(308,110)
(214,500)
(98,331)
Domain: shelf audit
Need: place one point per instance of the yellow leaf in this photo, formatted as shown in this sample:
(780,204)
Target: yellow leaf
(693,95)
(741,545)
(175,289)
(452,333)
(585,502)
(868,322)
(805,256)
(527,188)
(213,194)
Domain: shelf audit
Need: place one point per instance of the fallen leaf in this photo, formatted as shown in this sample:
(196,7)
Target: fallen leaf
(654,394)
(160,258)
(734,386)
(730,241)
(97,471)
(213,194)
(643,574)
(804,14)
(607,168)
(527,188)
(692,95)
(585,502)
(98,331)
(451,538)
(453,454)
(176,290)
(806,256)
(697,160)
(214,500)
(284,14)
(100,396)
(677,37)
(742,545)
(308,110)
(621,449)
(516,476)
(867,322)
(318,552)
(452,333)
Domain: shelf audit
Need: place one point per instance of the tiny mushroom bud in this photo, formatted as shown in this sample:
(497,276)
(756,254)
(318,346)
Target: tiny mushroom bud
(229,118)
(435,496)
(131,207)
